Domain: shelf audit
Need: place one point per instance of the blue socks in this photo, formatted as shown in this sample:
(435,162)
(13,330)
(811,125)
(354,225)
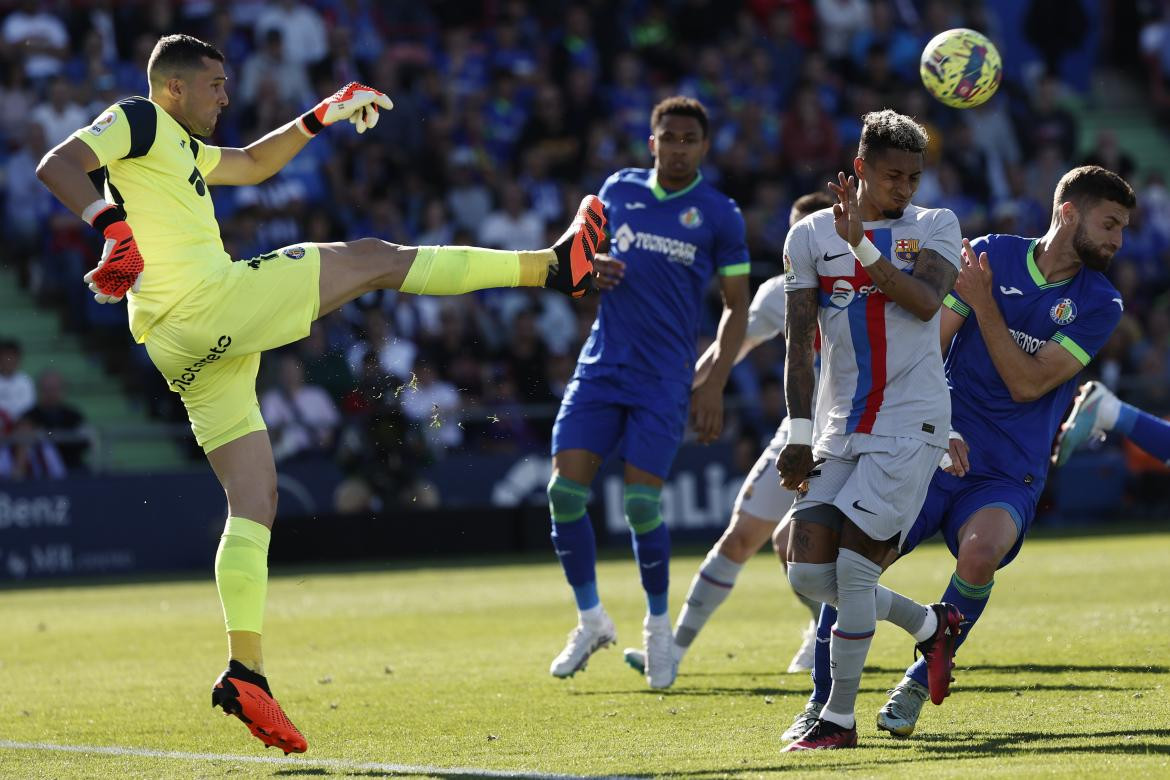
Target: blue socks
(651,540)
(1145,430)
(572,537)
(971,601)
(822,673)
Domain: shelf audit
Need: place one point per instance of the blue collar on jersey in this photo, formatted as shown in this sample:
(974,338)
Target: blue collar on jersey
(1035,273)
(662,194)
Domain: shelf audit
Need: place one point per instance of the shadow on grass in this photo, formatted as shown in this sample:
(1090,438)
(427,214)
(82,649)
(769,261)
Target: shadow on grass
(800,693)
(942,747)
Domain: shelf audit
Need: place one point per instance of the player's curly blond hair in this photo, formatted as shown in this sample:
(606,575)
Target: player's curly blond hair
(887,129)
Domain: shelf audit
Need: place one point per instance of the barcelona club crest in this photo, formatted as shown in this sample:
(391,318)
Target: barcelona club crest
(1063,311)
(691,218)
(906,249)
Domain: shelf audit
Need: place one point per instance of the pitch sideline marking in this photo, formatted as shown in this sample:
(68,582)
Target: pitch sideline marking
(328,763)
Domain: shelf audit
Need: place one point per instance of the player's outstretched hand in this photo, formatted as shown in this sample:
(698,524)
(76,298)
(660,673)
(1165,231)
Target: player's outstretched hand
(120,266)
(354,102)
(847,210)
(607,272)
(955,460)
(707,411)
(794,464)
(974,282)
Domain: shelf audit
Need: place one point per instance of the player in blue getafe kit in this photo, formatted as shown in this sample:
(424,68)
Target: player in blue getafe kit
(670,232)
(1016,345)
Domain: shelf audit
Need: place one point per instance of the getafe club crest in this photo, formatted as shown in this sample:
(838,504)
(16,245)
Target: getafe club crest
(691,218)
(294,252)
(906,249)
(1063,311)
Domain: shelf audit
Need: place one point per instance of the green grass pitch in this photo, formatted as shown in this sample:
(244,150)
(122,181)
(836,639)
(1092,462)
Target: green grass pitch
(412,670)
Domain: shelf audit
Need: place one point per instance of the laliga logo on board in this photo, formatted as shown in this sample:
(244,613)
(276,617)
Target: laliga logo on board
(623,238)
(1063,311)
(691,218)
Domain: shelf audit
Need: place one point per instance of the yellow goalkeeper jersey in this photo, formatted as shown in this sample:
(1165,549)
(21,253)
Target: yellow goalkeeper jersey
(155,169)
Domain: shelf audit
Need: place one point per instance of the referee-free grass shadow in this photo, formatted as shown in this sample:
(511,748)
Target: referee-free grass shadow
(948,747)
(1060,668)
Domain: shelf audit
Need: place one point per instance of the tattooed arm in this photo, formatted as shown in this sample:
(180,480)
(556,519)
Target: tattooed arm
(796,460)
(921,293)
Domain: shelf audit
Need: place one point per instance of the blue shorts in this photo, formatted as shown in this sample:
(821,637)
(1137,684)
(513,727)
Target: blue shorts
(640,415)
(952,500)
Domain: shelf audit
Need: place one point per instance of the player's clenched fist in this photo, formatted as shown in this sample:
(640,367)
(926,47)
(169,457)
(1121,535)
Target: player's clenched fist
(118,269)
(355,102)
(794,464)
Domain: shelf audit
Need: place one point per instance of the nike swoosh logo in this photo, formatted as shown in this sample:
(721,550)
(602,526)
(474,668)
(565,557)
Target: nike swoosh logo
(651,565)
(829,257)
(1010,290)
(857,505)
(632,206)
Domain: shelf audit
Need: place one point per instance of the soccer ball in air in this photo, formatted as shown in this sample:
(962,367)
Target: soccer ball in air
(961,68)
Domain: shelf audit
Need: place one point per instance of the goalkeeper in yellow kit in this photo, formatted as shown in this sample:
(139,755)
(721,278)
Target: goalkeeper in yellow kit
(205,318)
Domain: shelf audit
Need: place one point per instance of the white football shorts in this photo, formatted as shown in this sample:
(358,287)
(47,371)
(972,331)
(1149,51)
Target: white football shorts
(761,494)
(878,482)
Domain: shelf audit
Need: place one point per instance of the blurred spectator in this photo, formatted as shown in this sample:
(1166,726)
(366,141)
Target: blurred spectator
(1047,124)
(1107,153)
(60,115)
(37,37)
(302,30)
(840,20)
(514,225)
(18,394)
(324,366)
(809,147)
(270,70)
(1055,28)
(395,355)
(28,454)
(27,204)
(301,418)
(431,404)
(55,417)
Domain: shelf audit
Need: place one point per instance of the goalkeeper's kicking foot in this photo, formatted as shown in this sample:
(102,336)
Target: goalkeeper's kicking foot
(939,650)
(1083,422)
(573,273)
(584,640)
(245,694)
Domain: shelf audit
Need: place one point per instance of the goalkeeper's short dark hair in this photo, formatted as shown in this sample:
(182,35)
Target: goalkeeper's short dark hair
(679,105)
(175,55)
(1085,186)
(882,130)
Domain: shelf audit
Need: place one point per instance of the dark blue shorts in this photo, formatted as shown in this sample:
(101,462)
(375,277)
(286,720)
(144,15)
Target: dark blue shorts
(952,500)
(640,415)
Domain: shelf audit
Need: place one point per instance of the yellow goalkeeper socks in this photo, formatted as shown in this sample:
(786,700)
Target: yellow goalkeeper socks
(452,270)
(241,575)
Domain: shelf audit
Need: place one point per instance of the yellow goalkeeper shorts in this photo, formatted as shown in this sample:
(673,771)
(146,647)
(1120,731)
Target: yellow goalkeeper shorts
(208,346)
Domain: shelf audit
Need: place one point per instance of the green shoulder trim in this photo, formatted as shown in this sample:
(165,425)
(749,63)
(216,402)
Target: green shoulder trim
(739,269)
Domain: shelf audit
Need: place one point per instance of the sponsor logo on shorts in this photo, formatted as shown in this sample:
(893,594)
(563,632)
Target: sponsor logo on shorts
(191,372)
(1063,311)
(103,123)
(857,505)
(294,252)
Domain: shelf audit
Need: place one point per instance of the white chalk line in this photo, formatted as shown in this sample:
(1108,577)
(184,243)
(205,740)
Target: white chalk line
(326,763)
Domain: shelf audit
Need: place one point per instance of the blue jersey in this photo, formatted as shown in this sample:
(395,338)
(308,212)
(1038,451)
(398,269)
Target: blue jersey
(1007,438)
(672,244)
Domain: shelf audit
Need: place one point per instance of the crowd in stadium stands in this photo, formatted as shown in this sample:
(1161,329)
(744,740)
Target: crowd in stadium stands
(506,113)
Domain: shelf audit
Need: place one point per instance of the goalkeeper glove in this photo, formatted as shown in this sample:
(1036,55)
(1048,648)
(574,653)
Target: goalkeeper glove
(121,263)
(355,102)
